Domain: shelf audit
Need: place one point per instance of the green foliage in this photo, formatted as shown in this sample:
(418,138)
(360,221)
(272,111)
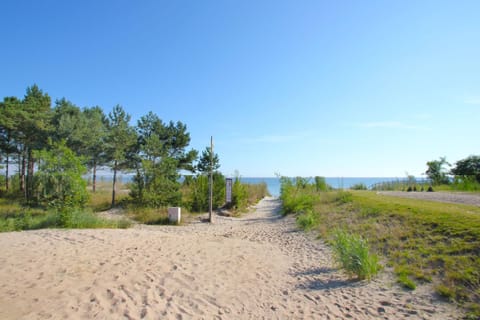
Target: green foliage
(256,192)
(157,185)
(208,162)
(406,282)
(307,220)
(353,254)
(359,186)
(321,184)
(297,195)
(436,172)
(196,192)
(421,240)
(59,182)
(14,217)
(120,143)
(465,183)
(468,167)
(161,154)
(149,215)
(239,195)
(344,197)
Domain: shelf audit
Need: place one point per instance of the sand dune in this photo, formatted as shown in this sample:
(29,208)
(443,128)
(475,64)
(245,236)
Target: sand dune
(256,267)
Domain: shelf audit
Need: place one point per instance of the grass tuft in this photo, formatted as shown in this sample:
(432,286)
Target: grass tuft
(353,254)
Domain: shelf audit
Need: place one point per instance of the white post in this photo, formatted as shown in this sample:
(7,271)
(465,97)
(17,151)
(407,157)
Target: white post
(174,214)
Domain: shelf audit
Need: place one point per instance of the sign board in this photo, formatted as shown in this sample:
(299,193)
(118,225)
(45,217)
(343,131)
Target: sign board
(228,193)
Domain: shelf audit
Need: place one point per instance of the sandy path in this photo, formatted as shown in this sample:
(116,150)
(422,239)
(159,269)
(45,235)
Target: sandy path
(257,267)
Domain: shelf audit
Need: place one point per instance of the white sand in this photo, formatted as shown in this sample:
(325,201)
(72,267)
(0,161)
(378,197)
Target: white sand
(257,267)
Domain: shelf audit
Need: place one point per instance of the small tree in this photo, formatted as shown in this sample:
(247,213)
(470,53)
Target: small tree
(208,162)
(58,181)
(121,140)
(436,171)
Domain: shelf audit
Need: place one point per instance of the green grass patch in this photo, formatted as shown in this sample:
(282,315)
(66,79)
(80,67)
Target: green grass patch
(307,220)
(353,254)
(14,217)
(147,215)
(427,241)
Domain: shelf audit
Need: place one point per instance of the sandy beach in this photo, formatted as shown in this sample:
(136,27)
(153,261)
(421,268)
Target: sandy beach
(255,267)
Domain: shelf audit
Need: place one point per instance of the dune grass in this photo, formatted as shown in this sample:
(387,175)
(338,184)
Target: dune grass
(422,241)
(148,215)
(101,199)
(353,254)
(15,217)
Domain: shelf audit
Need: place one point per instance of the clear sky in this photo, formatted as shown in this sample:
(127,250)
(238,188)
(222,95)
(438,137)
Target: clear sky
(300,88)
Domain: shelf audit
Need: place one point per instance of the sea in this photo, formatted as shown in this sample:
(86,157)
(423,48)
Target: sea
(273,183)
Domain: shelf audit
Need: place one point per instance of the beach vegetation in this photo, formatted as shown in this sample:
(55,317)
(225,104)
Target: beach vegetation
(359,186)
(58,181)
(436,172)
(353,253)
(159,156)
(468,168)
(195,192)
(307,220)
(420,241)
(297,195)
(120,144)
(148,215)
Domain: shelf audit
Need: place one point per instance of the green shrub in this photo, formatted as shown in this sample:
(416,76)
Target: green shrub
(359,186)
(58,181)
(307,220)
(239,195)
(321,184)
(352,252)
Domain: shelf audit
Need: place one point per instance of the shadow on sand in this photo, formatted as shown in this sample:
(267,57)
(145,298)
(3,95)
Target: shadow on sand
(324,280)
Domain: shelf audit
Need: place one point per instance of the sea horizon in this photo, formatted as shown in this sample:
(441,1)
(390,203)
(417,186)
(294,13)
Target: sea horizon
(273,183)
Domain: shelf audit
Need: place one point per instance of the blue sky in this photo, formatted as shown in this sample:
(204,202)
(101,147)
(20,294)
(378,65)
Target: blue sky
(332,88)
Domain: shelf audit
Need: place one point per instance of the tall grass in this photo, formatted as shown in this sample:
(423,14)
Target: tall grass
(15,217)
(148,215)
(353,254)
(101,199)
(421,241)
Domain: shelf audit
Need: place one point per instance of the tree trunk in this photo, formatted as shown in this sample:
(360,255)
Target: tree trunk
(31,164)
(114,182)
(6,172)
(23,189)
(94,179)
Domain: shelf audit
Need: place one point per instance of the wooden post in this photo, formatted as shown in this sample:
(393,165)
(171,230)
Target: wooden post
(210,216)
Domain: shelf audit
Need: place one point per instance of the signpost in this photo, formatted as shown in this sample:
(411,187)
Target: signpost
(210,217)
(228,193)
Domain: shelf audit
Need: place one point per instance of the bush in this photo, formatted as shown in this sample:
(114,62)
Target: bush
(307,220)
(359,186)
(297,198)
(321,184)
(352,252)
(58,181)
(196,192)
(239,195)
